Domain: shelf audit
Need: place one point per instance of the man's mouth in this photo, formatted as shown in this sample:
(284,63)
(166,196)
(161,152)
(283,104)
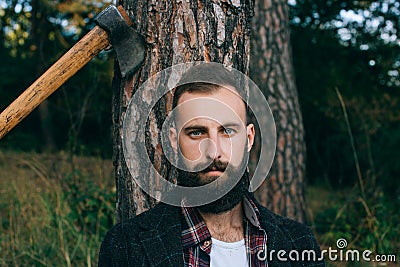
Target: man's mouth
(214,171)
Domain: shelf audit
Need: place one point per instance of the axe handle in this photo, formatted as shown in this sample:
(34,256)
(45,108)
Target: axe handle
(71,62)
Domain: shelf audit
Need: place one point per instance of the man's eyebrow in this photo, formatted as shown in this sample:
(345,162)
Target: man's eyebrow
(231,124)
(204,128)
(195,128)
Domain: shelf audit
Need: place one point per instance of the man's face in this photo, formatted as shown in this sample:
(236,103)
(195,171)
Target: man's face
(211,134)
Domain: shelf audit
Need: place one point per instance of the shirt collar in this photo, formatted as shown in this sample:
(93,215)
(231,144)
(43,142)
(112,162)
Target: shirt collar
(195,231)
(251,212)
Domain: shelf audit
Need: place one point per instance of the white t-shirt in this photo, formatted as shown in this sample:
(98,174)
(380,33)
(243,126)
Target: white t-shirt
(225,254)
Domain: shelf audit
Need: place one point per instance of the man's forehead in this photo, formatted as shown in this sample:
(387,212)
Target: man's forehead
(223,106)
(222,91)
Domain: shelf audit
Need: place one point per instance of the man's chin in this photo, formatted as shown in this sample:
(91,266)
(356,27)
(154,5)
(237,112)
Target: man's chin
(230,199)
(221,205)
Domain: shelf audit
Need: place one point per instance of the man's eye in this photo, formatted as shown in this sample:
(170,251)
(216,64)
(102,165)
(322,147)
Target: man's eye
(229,131)
(195,133)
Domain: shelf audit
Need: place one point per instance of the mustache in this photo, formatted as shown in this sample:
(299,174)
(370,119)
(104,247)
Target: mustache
(216,165)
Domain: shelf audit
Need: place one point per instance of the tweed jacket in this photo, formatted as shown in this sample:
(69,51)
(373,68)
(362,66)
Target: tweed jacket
(153,238)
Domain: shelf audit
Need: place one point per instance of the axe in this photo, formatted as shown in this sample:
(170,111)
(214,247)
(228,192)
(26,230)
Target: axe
(113,29)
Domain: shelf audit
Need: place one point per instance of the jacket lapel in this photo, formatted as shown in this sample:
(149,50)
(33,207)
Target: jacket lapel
(161,237)
(276,239)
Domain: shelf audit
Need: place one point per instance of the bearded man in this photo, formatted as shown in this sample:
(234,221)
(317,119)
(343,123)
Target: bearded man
(211,138)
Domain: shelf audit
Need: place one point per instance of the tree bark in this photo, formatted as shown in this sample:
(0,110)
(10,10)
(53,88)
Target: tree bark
(175,32)
(272,70)
(185,31)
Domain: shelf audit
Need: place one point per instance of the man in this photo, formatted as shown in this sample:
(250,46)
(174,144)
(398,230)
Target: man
(211,138)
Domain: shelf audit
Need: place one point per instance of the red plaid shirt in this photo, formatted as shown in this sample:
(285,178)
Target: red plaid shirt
(196,239)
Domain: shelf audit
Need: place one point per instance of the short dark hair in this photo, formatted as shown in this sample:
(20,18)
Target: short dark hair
(205,78)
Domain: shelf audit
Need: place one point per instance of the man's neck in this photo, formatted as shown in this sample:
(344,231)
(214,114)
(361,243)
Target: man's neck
(226,226)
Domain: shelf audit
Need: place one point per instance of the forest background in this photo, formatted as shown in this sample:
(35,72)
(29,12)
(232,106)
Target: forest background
(57,193)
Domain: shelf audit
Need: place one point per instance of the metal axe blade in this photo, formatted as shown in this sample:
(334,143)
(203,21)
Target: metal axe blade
(129,51)
(129,47)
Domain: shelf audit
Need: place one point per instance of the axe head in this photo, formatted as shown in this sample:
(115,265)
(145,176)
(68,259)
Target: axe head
(128,45)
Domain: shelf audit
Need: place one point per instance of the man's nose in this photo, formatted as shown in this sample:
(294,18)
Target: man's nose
(212,147)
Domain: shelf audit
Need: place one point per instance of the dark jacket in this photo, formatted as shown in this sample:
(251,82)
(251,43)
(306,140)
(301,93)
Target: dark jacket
(153,238)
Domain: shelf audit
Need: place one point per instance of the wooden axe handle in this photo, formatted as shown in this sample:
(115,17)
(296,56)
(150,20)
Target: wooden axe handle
(71,62)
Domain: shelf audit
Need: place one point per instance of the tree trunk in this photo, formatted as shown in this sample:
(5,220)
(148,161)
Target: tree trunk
(175,32)
(272,69)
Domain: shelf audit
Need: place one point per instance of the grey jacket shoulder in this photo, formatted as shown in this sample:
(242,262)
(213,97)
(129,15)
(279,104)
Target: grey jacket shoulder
(151,238)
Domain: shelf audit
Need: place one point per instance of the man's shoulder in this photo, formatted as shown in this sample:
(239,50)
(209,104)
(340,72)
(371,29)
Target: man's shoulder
(298,234)
(158,217)
(283,223)
(127,243)
(287,235)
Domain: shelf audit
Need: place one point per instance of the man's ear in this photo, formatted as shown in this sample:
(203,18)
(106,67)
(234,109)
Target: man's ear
(250,136)
(173,139)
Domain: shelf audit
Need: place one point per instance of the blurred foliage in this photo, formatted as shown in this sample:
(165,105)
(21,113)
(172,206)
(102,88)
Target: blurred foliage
(352,46)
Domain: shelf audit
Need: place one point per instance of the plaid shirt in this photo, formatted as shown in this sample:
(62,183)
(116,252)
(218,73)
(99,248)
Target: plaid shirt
(196,238)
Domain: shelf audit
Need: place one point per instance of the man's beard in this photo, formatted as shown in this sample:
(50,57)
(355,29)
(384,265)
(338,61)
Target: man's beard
(227,201)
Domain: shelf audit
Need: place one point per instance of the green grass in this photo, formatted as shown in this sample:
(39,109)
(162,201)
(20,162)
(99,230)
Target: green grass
(366,225)
(53,213)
